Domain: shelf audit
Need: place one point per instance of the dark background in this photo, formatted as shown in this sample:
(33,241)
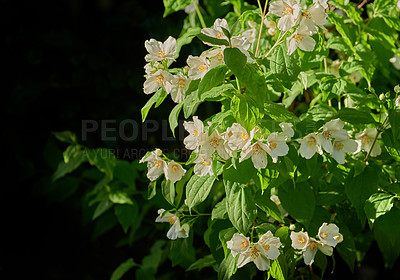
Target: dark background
(64,62)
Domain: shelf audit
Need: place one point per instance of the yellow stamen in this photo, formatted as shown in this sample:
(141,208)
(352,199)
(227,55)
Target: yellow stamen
(272,145)
(202,68)
(160,80)
(244,136)
(302,240)
(288,10)
(157,163)
(181,83)
(313,245)
(214,142)
(254,252)
(205,163)
(365,139)
(175,168)
(195,132)
(327,135)
(266,247)
(339,146)
(244,244)
(298,38)
(324,235)
(161,54)
(256,148)
(219,35)
(172,220)
(311,141)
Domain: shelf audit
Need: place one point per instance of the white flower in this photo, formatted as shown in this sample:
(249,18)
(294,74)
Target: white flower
(203,166)
(155,165)
(199,66)
(212,143)
(323,3)
(217,31)
(299,240)
(288,10)
(178,231)
(251,34)
(365,140)
(240,42)
(195,128)
(159,51)
(257,152)
(340,147)
(329,234)
(160,78)
(174,171)
(238,244)
(237,137)
(255,254)
(180,84)
(271,245)
(332,129)
(276,200)
(395,60)
(215,56)
(314,17)
(397,102)
(191,8)
(300,39)
(152,67)
(277,145)
(287,129)
(309,146)
(312,248)
(271,25)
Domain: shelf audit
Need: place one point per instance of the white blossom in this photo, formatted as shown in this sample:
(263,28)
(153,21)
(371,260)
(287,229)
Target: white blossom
(287,129)
(395,60)
(203,166)
(332,130)
(365,140)
(217,31)
(155,165)
(299,240)
(160,78)
(251,34)
(323,3)
(300,39)
(238,244)
(310,145)
(314,17)
(397,102)
(152,67)
(340,147)
(215,56)
(277,145)
(329,234)
(288,10)
(159,51)
(180,84)
(254,254)
(174,171)
(240,42)
(212,143)
(271,245)
(195,128)
(257,152)
(198,67)
(271,25)
(312,248)
(237,137)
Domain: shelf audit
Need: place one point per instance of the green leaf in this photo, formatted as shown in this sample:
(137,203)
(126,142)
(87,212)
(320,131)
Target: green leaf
(207,261)
(119,197)
(347,248)
(125,172)
(213,78)
(246,110)
(276,270)
(240,204)
(173,117)
(74,161)
(181,252)
(278,112)
(126,215)
(227,268)
(198,188)
(216,92)
(285,67)
(243,172)
(378,204)
(350,11)
(387,234)
(103,159)
(146,108)
(168,191)
(122,269)
(219,211)
(66,136)
(361,187)
(172,6)
(268,206)
(186,38)
(355,116)
(212,40)
(298,200)
(152,190)
(343,29)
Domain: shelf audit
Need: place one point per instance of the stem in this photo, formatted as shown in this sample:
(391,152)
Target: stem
(262,24)
(379,131)
(196,215)
(277,43)
(237,83)
(203,24)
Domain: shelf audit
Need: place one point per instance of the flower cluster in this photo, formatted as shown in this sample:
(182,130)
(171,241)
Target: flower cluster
(308,19)
(234,140)
(261,252)
(177,230)
(328,235)
(156,166)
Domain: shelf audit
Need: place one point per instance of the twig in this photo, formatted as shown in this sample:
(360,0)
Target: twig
(361,4)
(261,25)
(203,24)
